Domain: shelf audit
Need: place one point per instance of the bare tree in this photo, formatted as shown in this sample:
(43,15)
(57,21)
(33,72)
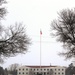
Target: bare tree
(51,72)
(5,71)
(31,72)
(3,10)
(13,40)
(13,69)
(64,29)
(1,71)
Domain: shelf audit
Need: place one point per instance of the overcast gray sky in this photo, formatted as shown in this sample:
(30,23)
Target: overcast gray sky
(36,14)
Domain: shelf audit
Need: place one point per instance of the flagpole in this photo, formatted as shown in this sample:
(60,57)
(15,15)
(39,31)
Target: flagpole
(40,49)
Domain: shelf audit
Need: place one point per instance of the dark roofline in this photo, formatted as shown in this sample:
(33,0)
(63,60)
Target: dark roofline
(41,66)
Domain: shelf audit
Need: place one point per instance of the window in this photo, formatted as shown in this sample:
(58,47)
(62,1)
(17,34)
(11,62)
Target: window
(44,73)
(26,68)
(47,72)
(26,72)
(58,73)
(37,69)
(34,69)
(62,73)
(55,73)
(19,72)
(23,72)
(23,69)
(62,69)
(55,69)
(47,69)
(44,69)
(58,69)
(19,69)
(31,69)
(35,72)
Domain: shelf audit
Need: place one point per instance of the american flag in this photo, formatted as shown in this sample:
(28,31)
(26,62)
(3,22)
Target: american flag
(40,32)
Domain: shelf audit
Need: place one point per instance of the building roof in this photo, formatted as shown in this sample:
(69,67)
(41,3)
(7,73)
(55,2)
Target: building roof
(39,66)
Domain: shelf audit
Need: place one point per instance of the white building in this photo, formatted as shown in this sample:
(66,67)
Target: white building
(45,70)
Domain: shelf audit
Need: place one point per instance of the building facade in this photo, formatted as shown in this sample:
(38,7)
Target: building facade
(44,70)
